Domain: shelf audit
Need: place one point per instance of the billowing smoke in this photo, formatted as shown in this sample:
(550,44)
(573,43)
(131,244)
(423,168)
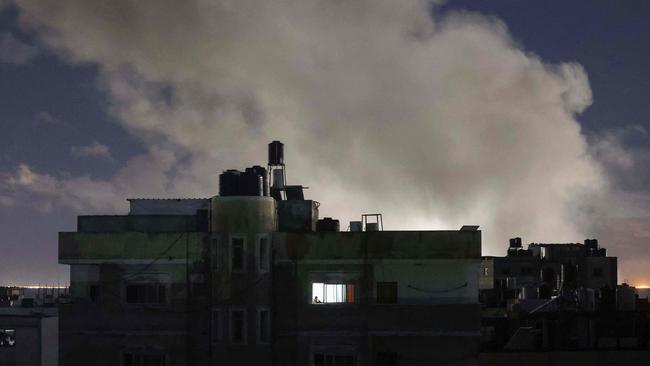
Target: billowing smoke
(434,121)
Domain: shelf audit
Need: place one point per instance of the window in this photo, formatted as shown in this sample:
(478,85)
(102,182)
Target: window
(598,272)
(486,271)
(526,271)
(237,254)
(263,254)
(214,254)
(327,359)
(7,337)
(387,359)
(387,292)
(143,359)
(330,293)
(217,332)
(505,271)
(263,325)
(150,293)
(238,326)
(93,293)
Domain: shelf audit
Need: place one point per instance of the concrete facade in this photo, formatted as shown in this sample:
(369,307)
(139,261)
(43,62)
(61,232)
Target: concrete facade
(241,292)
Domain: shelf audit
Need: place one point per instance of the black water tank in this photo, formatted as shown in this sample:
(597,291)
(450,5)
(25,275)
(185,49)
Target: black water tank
(230,182)
(276,153)
(251,183)
(327,224)
(591,243)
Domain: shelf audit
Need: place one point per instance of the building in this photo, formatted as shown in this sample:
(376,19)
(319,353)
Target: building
(28,336)
(542,270)
(560,304)
(253,277)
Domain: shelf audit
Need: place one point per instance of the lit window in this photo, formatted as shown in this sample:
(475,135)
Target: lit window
(263,326)
(7,337)
(150,293)
(485,271)
(238,326)
(263,254)
(237,254)
(387,292)
(142,359)
(331,293)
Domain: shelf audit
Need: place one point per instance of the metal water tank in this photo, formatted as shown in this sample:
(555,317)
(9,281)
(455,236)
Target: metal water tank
(265,184)
(229,183)
(355,226)
(276,153)
(372,226)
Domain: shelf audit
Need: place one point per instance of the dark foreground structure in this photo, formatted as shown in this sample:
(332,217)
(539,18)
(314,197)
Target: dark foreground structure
(559,304)
(253,277)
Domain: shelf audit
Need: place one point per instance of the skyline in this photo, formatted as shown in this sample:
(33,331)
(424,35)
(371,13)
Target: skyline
(86,129)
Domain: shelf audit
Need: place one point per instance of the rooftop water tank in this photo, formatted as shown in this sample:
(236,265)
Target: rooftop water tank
(276,153)
(229,182)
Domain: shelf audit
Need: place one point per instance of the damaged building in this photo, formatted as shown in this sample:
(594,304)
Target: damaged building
(253,276)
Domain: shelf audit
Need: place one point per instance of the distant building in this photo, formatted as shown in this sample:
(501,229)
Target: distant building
(560,304)
(253,277)
(28,336)
(542,270)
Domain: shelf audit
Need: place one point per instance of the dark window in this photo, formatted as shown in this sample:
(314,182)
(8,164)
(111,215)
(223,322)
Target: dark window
(387,292)
(238,326)
(505,271)
(237,249)
(216,326)
(93,293)
(142,359)
(7,337)
(146,294)
(263,255)
(214,253)
(598,272)
(526,271)
(324,359)
(264,326)
(387,359)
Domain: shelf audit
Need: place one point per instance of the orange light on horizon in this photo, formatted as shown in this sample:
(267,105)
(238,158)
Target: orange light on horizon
(642,286)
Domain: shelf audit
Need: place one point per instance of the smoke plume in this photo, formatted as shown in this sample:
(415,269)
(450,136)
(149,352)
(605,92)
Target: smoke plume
(384,106)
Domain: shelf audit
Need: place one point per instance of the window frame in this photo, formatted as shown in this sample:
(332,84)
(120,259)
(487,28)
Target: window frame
(267,253)
(346,300)
(232,252)
(258,325)
(244,326)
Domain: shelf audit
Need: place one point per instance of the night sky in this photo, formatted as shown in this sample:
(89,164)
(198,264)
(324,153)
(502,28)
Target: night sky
(65,129)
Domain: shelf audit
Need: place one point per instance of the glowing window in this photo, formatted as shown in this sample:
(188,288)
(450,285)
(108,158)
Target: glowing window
(332,293)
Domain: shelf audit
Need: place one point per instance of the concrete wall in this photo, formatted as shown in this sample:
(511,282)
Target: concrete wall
(437,316)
